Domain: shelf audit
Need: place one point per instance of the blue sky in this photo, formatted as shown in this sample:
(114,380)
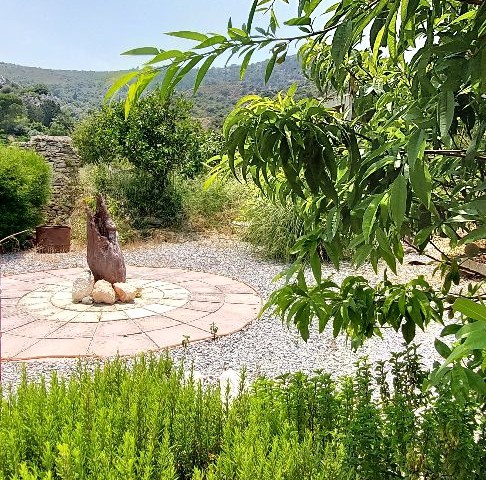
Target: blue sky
(90,35)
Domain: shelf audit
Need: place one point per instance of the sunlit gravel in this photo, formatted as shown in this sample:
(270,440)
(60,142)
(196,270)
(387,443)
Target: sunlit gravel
(266,347)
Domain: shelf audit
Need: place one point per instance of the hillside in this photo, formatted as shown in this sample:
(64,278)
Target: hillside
(84,90)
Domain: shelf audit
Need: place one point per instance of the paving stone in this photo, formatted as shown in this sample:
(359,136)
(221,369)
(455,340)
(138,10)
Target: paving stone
(174,303)
(173,336)
(117,327)
(139,313)
(156,322)
(74,330)
(57,347)
(121,345)
(109,316)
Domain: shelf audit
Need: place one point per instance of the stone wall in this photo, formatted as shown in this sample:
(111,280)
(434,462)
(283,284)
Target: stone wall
(59,152)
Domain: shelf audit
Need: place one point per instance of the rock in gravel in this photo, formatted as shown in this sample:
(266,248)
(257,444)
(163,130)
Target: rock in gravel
(125,292)
(103,292)
(83,286)
(87,300)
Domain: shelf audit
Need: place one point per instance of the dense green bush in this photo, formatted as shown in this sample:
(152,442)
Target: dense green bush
(25,182)
(150,422)
(139,156)
(144,199)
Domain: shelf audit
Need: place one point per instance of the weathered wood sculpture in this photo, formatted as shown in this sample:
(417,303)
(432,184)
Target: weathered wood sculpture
(105,258)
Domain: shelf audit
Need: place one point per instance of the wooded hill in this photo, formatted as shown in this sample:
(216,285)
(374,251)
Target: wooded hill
(84,90)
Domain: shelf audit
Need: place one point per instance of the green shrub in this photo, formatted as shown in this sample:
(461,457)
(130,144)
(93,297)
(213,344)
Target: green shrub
(140,195)
(272,228)
(25,182)
(149,421)
(214,207)
(136,200)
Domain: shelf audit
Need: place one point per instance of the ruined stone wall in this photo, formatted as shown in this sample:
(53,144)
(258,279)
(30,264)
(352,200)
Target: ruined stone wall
(65,162)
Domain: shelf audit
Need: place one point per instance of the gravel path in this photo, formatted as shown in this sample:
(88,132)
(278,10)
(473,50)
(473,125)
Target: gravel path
(265,347)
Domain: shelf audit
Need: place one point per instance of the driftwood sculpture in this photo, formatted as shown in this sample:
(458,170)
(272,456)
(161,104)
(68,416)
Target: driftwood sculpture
(105,258)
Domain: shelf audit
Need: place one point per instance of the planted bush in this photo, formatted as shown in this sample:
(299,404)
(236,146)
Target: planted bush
(150,422)
(25,182)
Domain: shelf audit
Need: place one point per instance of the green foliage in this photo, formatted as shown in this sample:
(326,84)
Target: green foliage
(138,196)
(401,160)
(11,112)
(213,206)
(25,183)
(150,421)
(158,136)
(83,91)
(26,111)
(272,228)
(140,158)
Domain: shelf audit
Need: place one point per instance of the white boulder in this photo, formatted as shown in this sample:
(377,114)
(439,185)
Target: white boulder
(125,292)
(82,286)
(103,292)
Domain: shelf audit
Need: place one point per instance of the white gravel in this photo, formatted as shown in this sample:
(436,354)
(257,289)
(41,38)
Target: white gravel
(266,347)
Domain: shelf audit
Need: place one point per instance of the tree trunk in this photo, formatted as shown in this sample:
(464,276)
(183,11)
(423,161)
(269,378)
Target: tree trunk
(105,258)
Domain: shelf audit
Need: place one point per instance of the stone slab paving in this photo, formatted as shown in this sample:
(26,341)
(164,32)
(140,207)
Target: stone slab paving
(39,320)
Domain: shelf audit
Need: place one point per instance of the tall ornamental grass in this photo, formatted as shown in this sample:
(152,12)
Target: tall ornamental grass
(149,421)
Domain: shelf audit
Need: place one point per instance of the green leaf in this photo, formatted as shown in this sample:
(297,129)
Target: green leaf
(369,216)
(164,88)
(470,309)
(165,56)
(423,235)
(477,234)
(332,223)
(209,42)
(122,81)
(442,349)
(415,147)
(188,35)
(269,69)
(249,22)
(341,41)
(142,51)
(298,21)
(398,200)
(185,69)
(450,330)
(315,263)
(376,46)
(246,61)
(237,33)
(445,112)
(202,71)
(421,181)
(362,254)
(476,381)
(469,328)
(408,331)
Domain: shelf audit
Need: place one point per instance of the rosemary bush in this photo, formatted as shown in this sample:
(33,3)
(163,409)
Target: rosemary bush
(149,421)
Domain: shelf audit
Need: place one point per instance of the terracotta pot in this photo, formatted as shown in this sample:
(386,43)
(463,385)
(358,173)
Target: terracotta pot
(53,238)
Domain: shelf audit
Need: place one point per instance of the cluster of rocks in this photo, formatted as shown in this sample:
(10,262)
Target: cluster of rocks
(87,291)
(65,162)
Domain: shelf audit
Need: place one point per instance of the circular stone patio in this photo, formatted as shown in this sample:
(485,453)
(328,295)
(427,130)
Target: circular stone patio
(39,319)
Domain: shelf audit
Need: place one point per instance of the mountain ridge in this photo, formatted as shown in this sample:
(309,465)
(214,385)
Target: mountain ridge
(84,90)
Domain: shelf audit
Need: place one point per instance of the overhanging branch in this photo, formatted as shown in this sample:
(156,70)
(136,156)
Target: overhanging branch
(455,153)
